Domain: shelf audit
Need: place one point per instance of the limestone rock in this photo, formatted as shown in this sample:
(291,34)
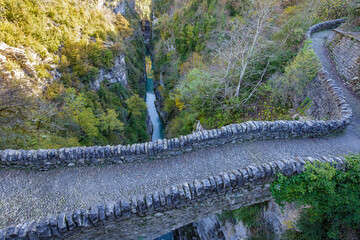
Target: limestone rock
(24,62)
(280,221)
(117,74)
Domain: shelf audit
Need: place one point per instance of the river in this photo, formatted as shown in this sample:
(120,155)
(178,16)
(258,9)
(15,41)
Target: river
(158,128)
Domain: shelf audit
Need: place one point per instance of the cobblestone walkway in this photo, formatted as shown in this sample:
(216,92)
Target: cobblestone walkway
(30,195)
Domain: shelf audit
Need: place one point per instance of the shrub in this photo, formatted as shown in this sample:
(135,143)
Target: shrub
(289,86)
(354,13)
(354,8)
(332,9)
(330,196)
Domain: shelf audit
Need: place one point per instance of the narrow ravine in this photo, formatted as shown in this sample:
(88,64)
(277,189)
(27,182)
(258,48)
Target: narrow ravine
(158,128)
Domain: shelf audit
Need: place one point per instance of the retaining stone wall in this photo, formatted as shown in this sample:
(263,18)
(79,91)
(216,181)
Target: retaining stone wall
(322,103)
(156,213)
(345,49)
(45,159)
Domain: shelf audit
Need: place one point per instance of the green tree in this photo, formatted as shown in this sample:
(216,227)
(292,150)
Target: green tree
(330,197)
(195,89)
(109,122)
(75,107)
(290,86)
(136,106)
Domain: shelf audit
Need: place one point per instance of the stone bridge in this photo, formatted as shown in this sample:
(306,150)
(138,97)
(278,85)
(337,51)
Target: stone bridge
(172,182)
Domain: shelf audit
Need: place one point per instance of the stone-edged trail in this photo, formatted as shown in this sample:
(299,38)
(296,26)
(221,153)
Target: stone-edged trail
(28,195)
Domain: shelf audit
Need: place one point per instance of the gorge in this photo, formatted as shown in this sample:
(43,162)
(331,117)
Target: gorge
(200,196)
(103,177)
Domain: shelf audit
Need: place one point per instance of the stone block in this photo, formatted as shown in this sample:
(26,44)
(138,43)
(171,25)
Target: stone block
(199,189)
(94,214)
(157,202)
(175,195)
(69,220)
(42,228)
(61,222)
(219,183)
(134,205)
(168,196)
(12,232)
(85,218)
(31,232)
(77,218)
(149,202)
(22,234)
(53,226)
(125,207)
(110,211)
(141,204)
(162,198)
(187,191)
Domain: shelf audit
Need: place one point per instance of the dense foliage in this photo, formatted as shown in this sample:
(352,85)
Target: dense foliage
(329,197)
(353,23)
(289,87)
(212,61)
(78,39)
(213,58)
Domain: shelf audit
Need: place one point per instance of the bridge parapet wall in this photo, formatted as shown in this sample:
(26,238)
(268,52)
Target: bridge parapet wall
(153,214)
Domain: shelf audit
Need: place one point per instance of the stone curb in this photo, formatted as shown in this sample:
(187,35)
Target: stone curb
(169,198)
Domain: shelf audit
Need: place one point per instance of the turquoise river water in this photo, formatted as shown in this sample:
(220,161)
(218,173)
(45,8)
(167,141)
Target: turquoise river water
(158,128)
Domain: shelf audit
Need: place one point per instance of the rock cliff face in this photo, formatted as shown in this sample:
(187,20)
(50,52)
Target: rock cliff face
(117,6)
(276,221)
(120,8)
(20,63)
(117,74)
(18,55)
(159,103)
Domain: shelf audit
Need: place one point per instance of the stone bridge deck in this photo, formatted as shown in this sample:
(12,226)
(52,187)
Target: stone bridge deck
(26,195)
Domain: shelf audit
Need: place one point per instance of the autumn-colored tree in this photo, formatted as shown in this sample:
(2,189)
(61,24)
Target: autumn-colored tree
(109,122)
(54,91)
(332,9)
(135,105)
(75,107)
(14,106)
(123,25)
(21,114)
(195,60)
